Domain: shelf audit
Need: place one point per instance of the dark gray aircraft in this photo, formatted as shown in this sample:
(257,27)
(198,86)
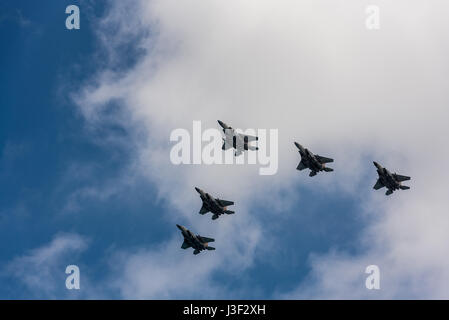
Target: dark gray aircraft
(390,180)
(236,140)
(216,206)
(312,161)
(197,242)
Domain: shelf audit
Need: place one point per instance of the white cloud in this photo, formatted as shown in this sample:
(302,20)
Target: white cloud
(314,71)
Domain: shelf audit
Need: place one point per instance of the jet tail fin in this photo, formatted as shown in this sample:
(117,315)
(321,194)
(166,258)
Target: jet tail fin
(328,169)
(389,191)
(229,212)
(404,187)
(210,248)
(196,251)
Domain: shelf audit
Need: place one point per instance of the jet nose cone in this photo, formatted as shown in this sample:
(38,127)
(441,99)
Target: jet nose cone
(222,124)
(298,145)
(179,227)
(198,190)
(378,166)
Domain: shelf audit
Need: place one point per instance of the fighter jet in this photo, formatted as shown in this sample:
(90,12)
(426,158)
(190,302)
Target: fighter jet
(197,242)
(390,180)
(216,206)
(236,140)
(312,161)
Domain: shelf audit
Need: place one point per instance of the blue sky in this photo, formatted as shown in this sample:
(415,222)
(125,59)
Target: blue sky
(70,174)
(43,137)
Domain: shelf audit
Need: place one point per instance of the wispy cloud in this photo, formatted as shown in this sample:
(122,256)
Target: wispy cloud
(41,271)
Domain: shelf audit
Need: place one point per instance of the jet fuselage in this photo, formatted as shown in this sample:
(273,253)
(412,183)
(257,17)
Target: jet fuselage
(192,239)
(387,178)
(309,159)
(211,204)
(238,141)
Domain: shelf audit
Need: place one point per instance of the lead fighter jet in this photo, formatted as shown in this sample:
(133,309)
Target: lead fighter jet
(197,242)
(216,206)
(390,180)
(312,161)
(236,140)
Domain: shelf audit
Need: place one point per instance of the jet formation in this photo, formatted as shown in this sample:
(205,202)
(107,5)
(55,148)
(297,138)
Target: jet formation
(314,162)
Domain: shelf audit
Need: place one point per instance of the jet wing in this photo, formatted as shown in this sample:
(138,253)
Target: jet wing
(185,245)
(227,144)
(323,159)
(204,210)
(205,239)
(301,166)
(225,203)
(400,178)
(378,185)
